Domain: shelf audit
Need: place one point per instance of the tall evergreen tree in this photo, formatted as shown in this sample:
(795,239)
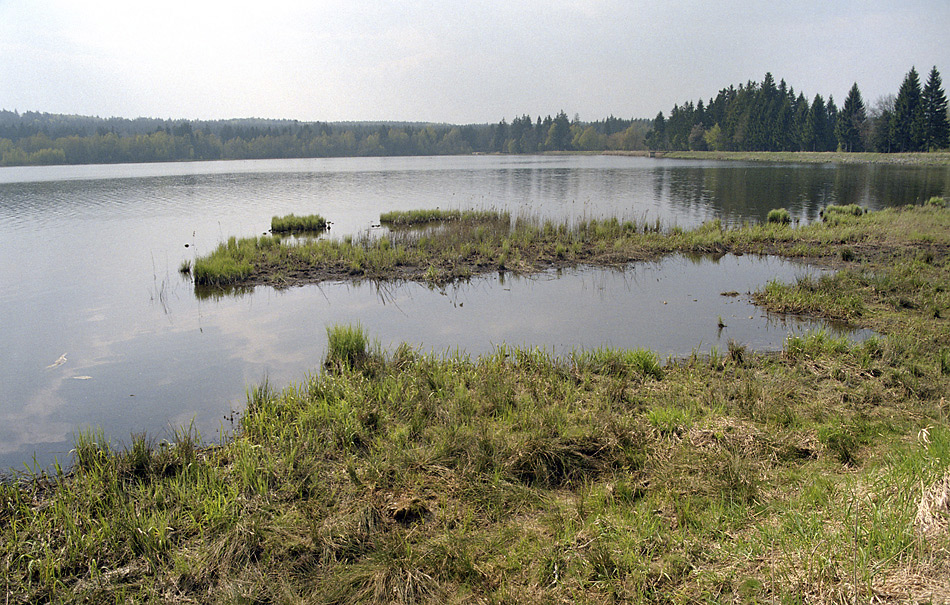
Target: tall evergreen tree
(816,126)
(851,121)
(909,115)
(936,128)
(830,142)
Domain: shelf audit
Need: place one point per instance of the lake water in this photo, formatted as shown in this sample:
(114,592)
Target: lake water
(100,330)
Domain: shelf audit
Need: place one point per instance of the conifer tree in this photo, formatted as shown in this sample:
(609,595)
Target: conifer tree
(851,121)
(909,115)
(830,142)
(934,101)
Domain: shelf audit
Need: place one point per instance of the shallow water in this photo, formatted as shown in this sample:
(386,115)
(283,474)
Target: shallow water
(90,255)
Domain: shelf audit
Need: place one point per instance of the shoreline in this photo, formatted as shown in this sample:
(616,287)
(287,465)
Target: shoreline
(934,158)
(612,475)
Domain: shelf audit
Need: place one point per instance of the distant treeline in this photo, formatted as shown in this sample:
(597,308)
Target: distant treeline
(770,117)
(752,117)
(42,138)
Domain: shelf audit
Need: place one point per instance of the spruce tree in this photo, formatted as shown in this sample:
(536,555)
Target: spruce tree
(816,125)
(851,121)
(908,118)
(934,101)
(830,142)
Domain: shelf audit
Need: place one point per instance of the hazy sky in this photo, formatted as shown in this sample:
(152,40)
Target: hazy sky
(458,61)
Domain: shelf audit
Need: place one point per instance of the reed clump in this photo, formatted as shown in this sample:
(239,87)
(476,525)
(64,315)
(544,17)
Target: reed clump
(411,218)
(779,215)
(296,224)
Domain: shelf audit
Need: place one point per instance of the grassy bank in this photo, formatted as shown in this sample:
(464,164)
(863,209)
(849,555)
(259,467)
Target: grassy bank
(934,158)
(820,474)
(490,241)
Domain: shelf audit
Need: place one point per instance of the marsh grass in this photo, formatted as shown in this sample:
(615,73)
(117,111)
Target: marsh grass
(295,224)
(779,216)
(410,218)
(486,241)
(813,475)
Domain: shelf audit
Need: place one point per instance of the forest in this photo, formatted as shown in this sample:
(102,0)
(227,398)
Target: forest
(33,138)
(770,117)
(751,117)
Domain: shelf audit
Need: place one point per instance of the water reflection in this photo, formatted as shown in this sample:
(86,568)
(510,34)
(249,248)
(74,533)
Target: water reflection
(750,191)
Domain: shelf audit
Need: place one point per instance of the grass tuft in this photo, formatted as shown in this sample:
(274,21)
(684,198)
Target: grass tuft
(779,216)
(296,224)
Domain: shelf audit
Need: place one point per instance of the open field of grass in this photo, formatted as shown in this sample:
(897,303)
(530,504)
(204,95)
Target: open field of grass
(817,475)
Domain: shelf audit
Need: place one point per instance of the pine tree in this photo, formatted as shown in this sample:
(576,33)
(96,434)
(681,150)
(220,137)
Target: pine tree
(934,101)
(851,121)
(909,115)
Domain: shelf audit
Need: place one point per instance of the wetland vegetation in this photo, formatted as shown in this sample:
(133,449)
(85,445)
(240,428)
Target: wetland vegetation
(472,243)
(296,224)
(818,474)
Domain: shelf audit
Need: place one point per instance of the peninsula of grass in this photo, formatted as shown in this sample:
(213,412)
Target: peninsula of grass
(820,474)
(491,241)
(297,224)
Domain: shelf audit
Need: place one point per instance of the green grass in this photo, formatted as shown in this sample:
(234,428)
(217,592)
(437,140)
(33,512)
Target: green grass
(295,224)
(409,218)
(812,475)
(779,215)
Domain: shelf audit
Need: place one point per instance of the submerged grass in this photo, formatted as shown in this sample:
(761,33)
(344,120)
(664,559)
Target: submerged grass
(816,475)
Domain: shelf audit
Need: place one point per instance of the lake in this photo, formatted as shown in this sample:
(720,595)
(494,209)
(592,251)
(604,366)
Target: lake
(100,330)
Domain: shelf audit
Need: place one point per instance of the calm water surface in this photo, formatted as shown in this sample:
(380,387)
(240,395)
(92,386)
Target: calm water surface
(89,257)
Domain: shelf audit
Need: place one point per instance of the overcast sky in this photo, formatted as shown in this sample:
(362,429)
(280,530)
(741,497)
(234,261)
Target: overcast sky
(457,61)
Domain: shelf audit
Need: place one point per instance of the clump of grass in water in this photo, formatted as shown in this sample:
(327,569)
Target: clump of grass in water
(292,223)
(348,349)
(779,216)
(406,218)
(833,213)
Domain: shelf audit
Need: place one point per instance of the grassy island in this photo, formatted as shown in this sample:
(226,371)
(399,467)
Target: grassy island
(461,245)
(297,224)
(820,474)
